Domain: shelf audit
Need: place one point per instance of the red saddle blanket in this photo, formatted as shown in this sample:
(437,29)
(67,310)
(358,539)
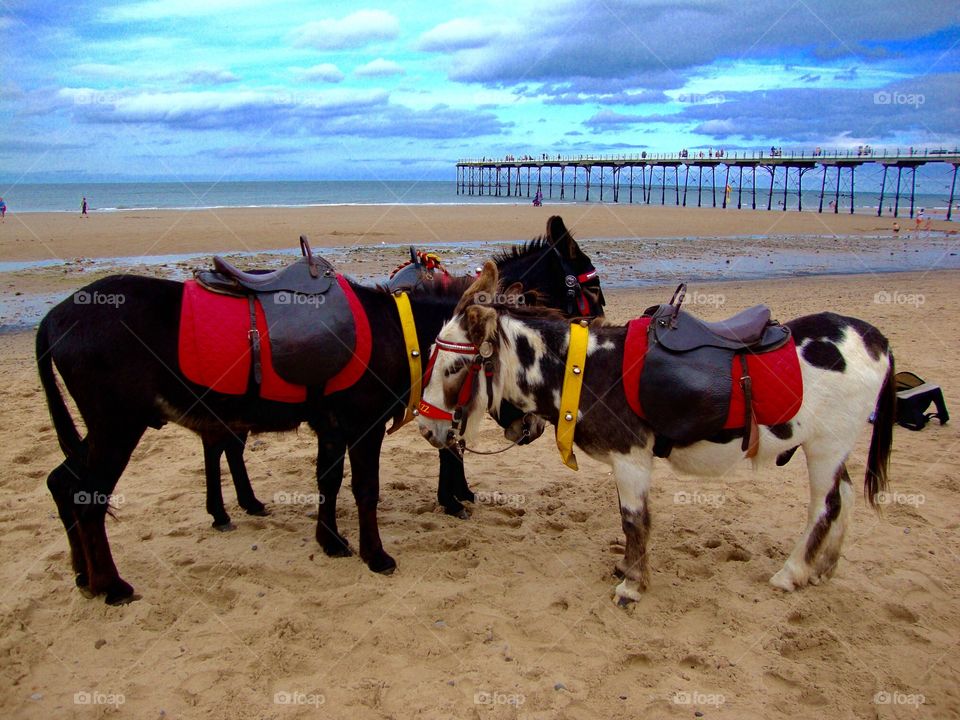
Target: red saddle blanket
(775,377)
(214,346)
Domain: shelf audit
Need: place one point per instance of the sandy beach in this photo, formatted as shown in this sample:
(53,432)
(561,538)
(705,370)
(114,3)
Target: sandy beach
(507,614)
(43,236)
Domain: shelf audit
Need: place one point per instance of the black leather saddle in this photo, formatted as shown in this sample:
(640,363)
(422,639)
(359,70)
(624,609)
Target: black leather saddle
(309,320)
(686,384)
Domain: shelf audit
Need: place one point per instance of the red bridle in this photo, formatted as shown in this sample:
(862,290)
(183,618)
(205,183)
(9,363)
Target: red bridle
(467,390)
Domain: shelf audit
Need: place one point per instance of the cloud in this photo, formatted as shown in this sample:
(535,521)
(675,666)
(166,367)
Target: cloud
(573,40)
(139,74)
(353,31)
(324,72)
(926,108)
(209,76)
(334,112)
(379,68)
(459,34)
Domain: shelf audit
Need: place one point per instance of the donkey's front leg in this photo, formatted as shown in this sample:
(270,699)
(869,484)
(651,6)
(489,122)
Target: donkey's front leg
(452,485)
(632,473)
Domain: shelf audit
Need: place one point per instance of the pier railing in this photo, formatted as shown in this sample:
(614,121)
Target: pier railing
(869,154)
(504,177)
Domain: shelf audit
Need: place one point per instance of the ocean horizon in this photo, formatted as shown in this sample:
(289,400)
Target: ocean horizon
(123,196)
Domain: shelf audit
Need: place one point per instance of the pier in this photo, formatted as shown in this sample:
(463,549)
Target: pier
(643,177)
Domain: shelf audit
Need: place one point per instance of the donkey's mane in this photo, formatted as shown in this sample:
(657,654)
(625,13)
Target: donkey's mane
(519,251)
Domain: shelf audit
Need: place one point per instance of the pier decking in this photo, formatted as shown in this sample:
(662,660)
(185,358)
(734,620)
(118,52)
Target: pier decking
(609,174)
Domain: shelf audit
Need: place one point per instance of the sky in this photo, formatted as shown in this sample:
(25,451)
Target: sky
(238,89)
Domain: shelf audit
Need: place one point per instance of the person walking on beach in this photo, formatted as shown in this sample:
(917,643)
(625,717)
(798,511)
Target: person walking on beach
(3,210)
(83,207)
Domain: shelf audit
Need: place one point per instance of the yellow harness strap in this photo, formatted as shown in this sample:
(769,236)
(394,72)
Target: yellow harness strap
(413,358)
(570,397)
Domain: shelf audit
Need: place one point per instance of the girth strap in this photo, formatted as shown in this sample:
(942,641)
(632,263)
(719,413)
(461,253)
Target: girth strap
(570,396)
(409,327)
(254,336)
(751,431)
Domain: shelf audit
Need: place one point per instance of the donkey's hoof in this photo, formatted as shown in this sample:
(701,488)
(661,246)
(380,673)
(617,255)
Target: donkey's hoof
(224,527)
(786,580)
(120,593)
(335,545)
(383,564)
(625,596)
(82,580)
(456,509)
(338,551)
(467,496)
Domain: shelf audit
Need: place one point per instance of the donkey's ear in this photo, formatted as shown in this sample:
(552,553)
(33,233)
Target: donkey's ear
(561,238)
(516,295)
(481,321)
(485,284)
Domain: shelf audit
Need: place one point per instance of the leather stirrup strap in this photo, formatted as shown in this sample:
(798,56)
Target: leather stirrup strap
(413,358)
(570,396)
(254,336)
(751,431)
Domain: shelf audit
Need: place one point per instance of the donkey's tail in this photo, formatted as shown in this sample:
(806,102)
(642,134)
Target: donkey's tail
(67,434)
(881,443)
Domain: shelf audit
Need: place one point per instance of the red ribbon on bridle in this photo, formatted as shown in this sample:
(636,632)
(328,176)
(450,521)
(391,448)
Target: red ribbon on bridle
(458,417)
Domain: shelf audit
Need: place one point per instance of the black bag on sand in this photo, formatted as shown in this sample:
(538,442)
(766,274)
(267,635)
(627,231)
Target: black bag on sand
(914,397)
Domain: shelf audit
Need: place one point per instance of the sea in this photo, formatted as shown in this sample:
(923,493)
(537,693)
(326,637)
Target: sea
(114,197)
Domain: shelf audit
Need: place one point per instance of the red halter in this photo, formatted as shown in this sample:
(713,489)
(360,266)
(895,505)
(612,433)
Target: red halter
(468,388)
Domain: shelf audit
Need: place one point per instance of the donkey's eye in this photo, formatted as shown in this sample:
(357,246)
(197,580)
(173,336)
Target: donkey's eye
(456,367)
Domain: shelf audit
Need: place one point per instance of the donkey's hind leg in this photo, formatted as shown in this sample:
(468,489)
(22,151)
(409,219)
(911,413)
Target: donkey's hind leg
(107,457)
(62,483)
(632,473)
(815,556)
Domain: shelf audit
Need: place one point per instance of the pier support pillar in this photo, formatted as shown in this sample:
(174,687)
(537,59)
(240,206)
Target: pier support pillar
(953,186)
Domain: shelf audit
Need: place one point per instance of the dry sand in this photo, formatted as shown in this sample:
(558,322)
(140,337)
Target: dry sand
(507,614)
(41,236)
